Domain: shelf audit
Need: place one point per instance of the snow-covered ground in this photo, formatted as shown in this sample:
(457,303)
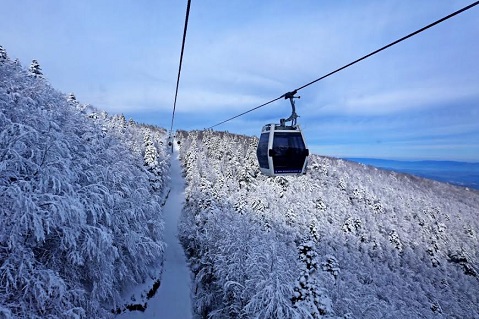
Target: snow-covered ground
(172,299)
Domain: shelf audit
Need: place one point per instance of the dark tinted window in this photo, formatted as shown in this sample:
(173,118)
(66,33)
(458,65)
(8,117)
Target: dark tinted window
(288,140)
(262,151)
(289,152)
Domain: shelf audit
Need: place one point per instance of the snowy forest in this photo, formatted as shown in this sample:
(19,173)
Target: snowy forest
(80,201)
(345,240)
(81,195)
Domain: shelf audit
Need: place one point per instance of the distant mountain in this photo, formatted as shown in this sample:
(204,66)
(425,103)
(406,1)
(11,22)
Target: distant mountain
(456,173)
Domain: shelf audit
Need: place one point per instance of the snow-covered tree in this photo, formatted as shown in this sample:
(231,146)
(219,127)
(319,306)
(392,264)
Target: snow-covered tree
(308,292)
(71,98)
(382,244)
(79,221)
(3,54)
(35,69)
(17,62)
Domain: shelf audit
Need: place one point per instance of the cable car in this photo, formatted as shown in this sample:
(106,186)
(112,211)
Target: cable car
(282,149)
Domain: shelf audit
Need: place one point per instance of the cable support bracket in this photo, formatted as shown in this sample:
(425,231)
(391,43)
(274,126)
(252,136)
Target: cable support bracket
(293,117)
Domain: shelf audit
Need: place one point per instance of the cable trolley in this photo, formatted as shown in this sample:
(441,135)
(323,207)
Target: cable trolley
(282,149)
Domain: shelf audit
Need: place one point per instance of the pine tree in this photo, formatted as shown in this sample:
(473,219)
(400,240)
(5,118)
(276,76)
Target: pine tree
(150,153)
(3,54)
(35,69)
(71,98)
(308,293)
(151,162)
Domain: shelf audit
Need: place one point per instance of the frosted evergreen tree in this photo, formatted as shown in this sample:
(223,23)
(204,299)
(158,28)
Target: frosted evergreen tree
(308,293)
(151,162)
(313,231)
(3,54)
(71,98)
(69,192)
(122,120)
(150,153)
(35,69)
(331,265)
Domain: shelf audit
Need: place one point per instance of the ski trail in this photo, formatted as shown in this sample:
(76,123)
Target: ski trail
(172,300)
(173,297)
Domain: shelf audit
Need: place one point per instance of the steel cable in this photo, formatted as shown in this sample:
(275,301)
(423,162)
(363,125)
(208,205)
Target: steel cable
(356,61)
(181,62)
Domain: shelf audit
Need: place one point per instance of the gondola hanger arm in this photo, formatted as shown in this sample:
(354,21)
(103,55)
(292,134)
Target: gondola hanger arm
(293,117)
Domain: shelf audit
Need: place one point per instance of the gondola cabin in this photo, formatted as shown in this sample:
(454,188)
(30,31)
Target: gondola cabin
(282,150)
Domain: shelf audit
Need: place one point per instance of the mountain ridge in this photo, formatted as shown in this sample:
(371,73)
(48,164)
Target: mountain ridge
(465,174)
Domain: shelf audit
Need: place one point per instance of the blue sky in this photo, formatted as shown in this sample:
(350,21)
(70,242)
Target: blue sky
(416,100)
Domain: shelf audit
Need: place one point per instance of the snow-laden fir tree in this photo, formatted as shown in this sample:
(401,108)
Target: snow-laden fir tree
(308,292)
(151,162)
(3,54)
(78,220)
(71,98)
(35,69)
(150,152)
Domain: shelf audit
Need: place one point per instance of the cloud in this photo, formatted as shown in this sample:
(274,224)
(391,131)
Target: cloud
(404,100)
(238,56)
(147,97)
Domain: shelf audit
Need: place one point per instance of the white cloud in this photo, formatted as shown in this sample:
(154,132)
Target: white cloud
(130,98)
(406,99)
(238,57)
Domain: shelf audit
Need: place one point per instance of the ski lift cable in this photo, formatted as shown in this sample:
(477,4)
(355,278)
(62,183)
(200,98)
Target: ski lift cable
(392,43)
(356,61)
(255,108)
(181,62)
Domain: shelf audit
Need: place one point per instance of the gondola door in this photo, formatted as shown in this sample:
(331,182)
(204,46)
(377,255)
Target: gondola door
(288,152)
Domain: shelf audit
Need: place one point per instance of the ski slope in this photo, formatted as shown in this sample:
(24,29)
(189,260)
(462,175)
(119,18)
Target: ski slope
(172,299)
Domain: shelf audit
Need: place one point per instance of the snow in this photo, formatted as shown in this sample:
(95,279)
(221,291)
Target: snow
(172,299)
